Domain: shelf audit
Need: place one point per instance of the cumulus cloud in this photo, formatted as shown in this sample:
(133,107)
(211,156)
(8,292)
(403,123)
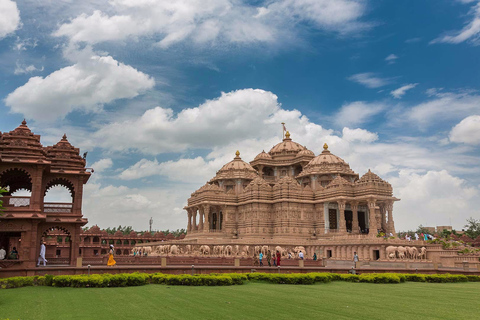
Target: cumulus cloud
(400,92)
(102,164)
(234,116)
(358,134)
(357,112)
(85,86)
(370,80)
(433,198)
(9,17)
(470,32)
(210,21)
(467,131)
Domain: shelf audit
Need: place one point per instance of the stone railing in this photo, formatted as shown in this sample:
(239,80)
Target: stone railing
(57,207)
(12,201)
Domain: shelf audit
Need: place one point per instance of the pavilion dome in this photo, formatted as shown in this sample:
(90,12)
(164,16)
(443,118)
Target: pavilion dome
(263,155)
(286,147)
(64,156)
(236,169)
(21,145)
(327,163)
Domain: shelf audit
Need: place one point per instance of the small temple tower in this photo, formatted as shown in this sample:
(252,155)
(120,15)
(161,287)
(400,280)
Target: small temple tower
(28,171)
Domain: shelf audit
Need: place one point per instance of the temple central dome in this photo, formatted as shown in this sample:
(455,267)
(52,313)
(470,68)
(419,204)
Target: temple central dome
(286,147)
(236,169)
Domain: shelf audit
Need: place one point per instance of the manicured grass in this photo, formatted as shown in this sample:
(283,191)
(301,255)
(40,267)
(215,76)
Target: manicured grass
(336,300)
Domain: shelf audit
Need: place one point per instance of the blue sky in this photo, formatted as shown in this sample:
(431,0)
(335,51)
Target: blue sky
(161,94)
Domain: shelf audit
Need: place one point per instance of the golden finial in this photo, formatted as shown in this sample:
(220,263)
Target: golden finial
(237,153)
(287,135)
(325,146)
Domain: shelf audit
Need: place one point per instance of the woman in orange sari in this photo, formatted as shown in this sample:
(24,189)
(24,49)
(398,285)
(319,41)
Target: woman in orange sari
(111,262)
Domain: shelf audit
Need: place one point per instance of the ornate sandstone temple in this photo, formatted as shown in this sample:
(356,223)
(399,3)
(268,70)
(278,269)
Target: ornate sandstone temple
(290,195)
(28,170)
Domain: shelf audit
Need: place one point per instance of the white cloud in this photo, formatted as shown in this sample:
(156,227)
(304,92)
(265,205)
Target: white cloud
(400,92)
(357,112)
(9,17)
(370,80)
(22,69)
(470,32)
(85,86)
(211,21)
(391,58)
(467,131)
(102,164)
(433,198)
(358,134)
(444,106)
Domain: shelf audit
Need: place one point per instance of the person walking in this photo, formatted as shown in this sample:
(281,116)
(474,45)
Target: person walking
(278,258)
(260,258)
(269,258)
(111,262)
(41,257)
(355,259)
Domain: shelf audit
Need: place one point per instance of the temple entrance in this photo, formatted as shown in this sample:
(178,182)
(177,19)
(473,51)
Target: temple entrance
(348,220)
(332,218)
(8,241)
(214,221)
(376,254)
(361,222)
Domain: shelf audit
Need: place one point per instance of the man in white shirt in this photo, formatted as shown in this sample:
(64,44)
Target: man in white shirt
(41,257)
(300,255)
(3,253)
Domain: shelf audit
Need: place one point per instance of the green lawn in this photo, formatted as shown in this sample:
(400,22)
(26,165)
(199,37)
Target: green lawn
(336,300)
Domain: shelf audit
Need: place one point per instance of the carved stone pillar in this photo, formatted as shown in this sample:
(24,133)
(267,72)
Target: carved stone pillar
(372,228)
(206,209)
(355,226)
(194,218)
(201,216)
(342,225)
(383,212)
(189,213)
(390,224)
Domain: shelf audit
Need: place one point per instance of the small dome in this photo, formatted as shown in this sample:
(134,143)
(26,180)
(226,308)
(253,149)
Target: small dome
(327,163)
(263,155)
(236,169)
(306,152)
(21,144)
(286,147)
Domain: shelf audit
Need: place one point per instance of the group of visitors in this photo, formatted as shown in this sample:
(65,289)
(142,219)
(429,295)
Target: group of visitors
(272,259)
(13,255)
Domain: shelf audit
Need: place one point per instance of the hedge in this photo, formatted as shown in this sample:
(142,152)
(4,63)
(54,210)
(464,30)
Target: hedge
(219,279)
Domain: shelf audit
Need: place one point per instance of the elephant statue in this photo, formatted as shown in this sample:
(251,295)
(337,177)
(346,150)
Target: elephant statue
(391,252)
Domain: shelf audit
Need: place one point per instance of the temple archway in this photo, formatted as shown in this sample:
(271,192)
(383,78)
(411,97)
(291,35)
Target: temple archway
(59,196)
(58,245)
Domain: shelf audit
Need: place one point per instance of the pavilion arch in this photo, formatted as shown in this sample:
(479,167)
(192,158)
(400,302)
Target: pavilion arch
(53,228)
(60,182)
(15,179)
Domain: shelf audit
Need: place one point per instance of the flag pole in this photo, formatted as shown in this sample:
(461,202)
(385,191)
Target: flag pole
(283,130)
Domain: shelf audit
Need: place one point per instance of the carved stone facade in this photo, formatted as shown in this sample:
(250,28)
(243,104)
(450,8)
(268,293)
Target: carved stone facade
(290,194)
(26,165)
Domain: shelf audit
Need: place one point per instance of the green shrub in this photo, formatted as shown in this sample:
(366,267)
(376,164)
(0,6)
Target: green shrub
(350,277)
(473,278)
(379,278)
(415,277)
(322,277)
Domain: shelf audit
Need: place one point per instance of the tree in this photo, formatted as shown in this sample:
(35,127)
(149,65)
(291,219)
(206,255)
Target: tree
(1,201)
(473,228)
(422,229)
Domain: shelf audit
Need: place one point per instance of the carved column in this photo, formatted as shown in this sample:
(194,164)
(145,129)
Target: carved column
(372,228)
(383,212)
(390,224)
(206,209)
(189,213)
(342,225)
(201,215)
(194,217)
(355,226)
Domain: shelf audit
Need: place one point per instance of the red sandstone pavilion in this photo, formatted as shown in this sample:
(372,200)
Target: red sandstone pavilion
(289,194)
